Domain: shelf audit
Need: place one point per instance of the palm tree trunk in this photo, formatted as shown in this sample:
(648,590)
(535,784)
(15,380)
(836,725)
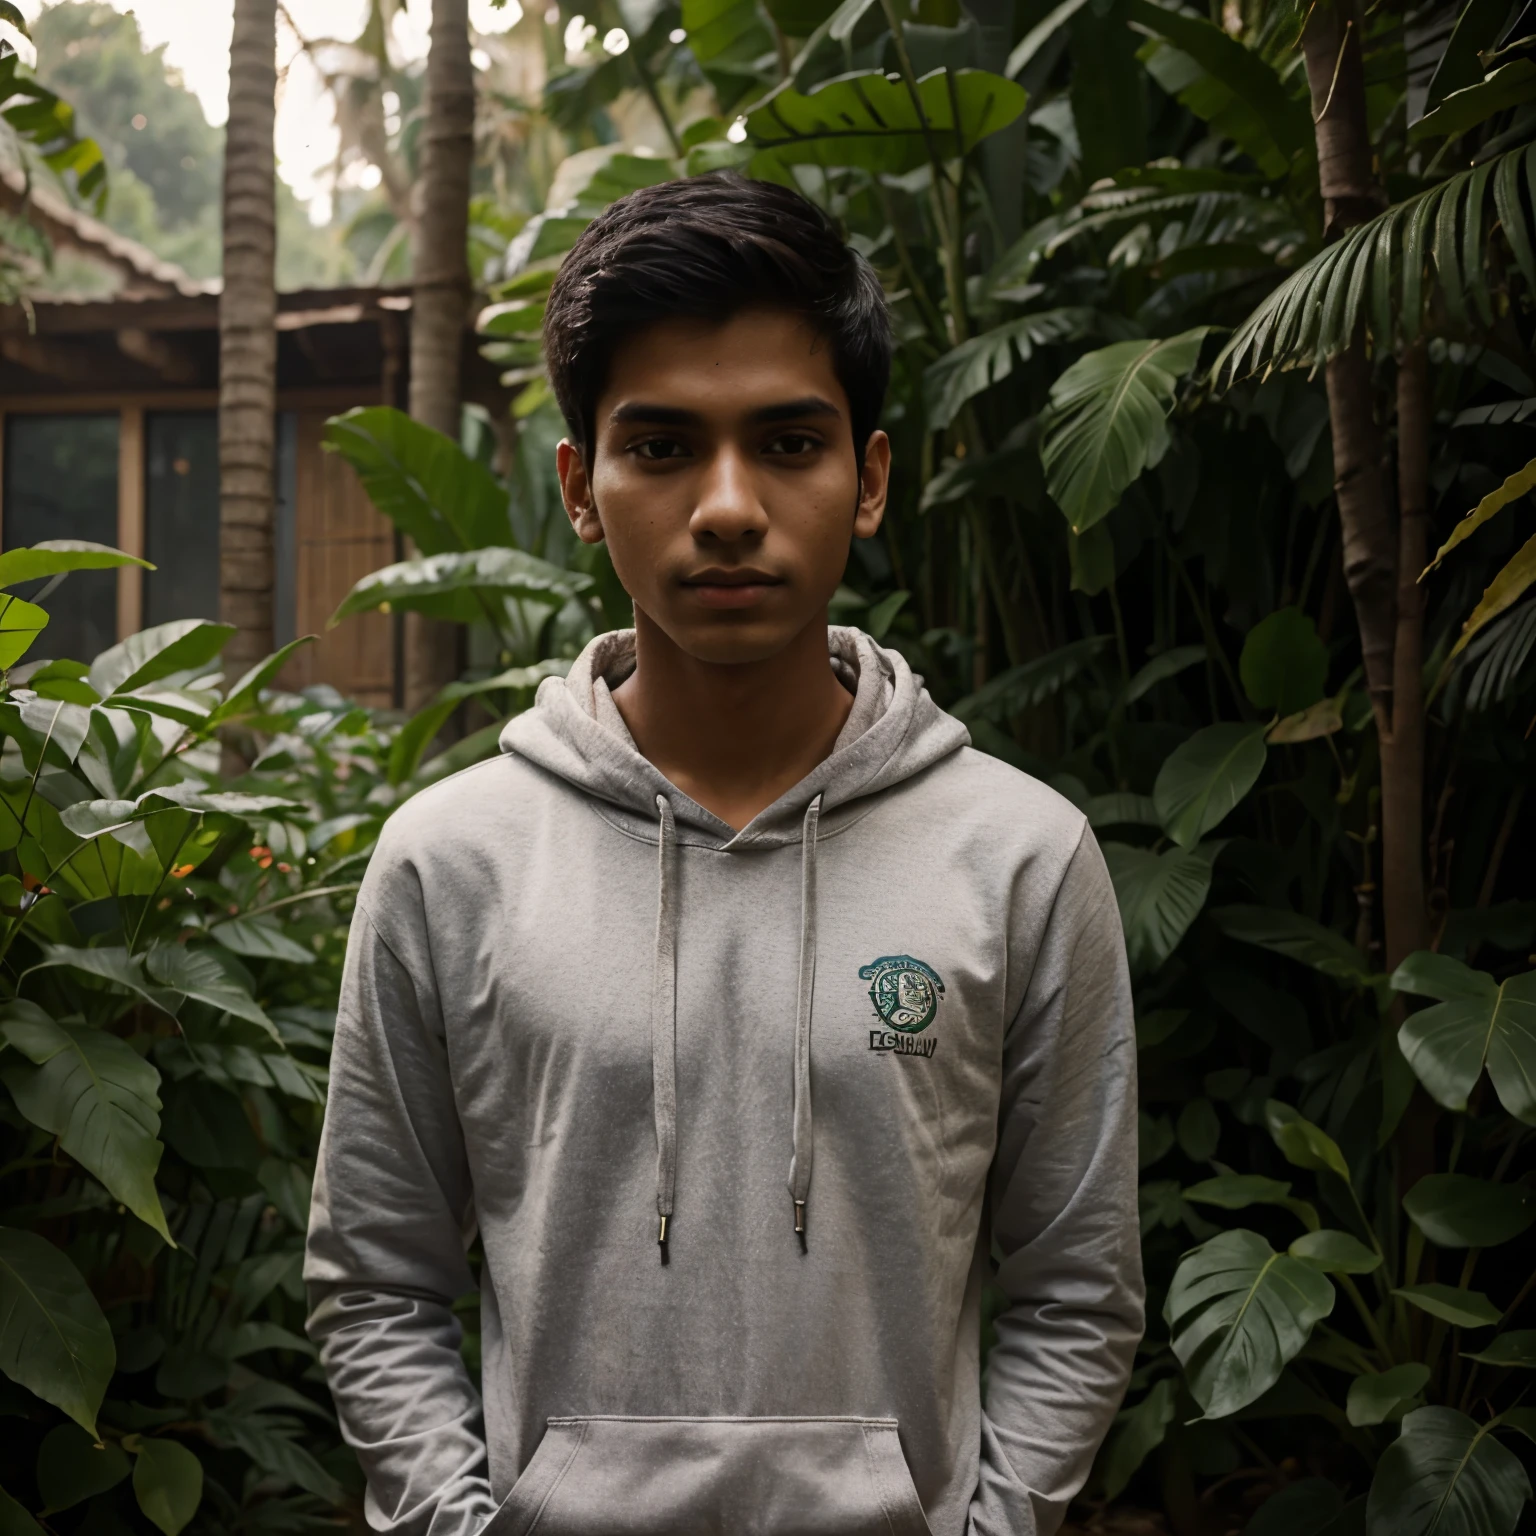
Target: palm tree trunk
(1336,77)
(442,290)
(248,339)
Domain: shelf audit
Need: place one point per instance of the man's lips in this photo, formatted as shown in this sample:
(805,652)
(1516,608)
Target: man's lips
(731,588)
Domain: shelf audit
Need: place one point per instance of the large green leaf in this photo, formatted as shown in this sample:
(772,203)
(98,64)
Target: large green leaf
(458,585)
(168,1483)
(869,120)
(1160,895)
(1301,1143)
(988,359)
(1298,938)
(1451,1304)
(1456,1210)
(97,1095)
(1511,85)
(20,624)
(151,654)
(14,1520)
(73,1467)
(1108,421)
(197,974)
(1238,1312)
(1203,779)
(1476,1022)
(1513,1350)
(1108,91)
(422,481)
(1421,262)
(1229,86)
(1446,1475)
(53,1337)
(53,557)
(1335,1253)
(726,34)
(1284,665)
(1137,1432)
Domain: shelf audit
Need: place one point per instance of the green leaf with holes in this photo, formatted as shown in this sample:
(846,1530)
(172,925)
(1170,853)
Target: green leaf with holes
(1476,1022)
(1446,1475)
(1238,1313)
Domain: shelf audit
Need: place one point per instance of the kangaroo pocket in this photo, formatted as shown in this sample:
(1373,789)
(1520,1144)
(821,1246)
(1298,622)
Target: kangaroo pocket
(714,1477)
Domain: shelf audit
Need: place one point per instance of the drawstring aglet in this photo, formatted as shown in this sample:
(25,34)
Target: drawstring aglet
(800,1224)
(661,1238)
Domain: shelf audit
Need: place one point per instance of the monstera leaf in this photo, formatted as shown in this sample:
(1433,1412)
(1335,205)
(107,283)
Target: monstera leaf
(870,121)
(1477,1022)
(1239,1312)
(1446,1475)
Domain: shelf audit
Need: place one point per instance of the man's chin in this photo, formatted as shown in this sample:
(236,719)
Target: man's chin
(737,639)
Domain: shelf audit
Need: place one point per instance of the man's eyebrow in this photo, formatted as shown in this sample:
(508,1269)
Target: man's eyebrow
(796,410)
(675,416)
(661,415)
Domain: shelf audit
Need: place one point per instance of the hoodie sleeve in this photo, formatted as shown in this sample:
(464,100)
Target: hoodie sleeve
(1063,1215)
(389,1224)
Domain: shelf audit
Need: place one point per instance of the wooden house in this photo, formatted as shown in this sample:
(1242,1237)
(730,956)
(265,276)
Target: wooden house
(109,431)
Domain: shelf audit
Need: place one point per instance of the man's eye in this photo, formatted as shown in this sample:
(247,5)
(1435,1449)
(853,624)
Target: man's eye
(793,444)
(654,449)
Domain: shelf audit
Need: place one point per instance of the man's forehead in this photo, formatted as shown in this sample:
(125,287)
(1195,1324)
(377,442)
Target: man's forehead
(739,364)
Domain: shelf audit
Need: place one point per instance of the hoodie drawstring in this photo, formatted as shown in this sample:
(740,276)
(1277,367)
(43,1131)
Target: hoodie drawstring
(800,1163)
(664,1023)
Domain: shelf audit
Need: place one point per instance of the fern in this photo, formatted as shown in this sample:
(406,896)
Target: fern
(1383,275)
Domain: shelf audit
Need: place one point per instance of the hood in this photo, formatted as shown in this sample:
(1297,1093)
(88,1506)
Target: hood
(894,731)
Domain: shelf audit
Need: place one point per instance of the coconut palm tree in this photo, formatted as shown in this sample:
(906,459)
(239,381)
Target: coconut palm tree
(248,338)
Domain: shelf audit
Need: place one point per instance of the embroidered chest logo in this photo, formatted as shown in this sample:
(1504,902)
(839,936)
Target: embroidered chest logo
(906,996)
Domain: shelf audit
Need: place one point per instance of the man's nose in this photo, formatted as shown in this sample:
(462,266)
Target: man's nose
(729,508)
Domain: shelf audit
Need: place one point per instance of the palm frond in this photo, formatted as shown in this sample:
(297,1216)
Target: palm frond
(1384,276)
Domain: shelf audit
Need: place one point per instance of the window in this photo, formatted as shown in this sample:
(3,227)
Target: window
(61,483)
(181,516)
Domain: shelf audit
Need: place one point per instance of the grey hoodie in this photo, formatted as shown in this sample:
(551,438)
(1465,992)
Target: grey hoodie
(852,1062)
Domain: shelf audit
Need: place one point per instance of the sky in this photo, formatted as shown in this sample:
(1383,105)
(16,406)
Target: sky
(196,37)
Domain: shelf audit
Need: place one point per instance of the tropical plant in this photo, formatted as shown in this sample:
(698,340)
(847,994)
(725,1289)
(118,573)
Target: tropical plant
(1127,533)
(171,951)
(497,557)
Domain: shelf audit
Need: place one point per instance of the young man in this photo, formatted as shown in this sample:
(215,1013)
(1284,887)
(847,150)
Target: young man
(753,1020)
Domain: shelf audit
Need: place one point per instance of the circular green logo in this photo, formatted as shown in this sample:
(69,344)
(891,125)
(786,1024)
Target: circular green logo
(905,992)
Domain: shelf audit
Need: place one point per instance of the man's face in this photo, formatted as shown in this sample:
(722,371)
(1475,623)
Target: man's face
(722,475)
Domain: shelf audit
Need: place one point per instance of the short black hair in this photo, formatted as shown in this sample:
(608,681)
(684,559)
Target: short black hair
(709,247)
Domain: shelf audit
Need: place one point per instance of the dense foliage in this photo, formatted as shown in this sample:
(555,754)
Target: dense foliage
(1140,564)
(1131,546)
(171,949)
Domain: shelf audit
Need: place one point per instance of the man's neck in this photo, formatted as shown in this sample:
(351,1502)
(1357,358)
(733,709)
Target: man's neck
(733,737)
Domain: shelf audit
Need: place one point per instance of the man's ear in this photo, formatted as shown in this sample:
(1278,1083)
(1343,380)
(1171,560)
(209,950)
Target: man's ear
(874,483)
(576,492)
